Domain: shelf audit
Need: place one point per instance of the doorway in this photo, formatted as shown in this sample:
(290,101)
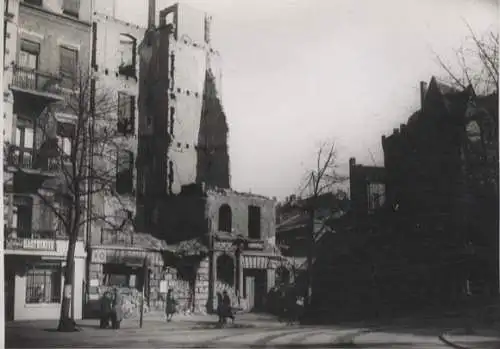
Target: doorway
(255,289)
(9,290)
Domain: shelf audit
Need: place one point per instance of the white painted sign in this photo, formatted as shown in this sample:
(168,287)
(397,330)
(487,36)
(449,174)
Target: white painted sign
(67,291)
(35,244)
(163,286)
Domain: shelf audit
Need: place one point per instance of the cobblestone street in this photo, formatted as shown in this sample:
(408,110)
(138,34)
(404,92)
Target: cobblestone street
(248,332)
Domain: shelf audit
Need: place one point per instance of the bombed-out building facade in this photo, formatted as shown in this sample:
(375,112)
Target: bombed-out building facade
(218,239)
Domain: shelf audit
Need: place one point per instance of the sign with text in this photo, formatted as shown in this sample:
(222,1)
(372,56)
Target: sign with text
(36,244)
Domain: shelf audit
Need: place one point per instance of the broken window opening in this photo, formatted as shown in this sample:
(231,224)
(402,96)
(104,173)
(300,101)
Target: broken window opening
(254,225)
(127,52)
(225,218)
(171,121)
(124,172)
(126,114)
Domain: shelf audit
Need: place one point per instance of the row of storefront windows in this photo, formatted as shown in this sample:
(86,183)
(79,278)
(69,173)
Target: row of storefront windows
(43,283)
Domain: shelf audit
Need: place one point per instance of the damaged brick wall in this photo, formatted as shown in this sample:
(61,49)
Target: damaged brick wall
(213,158)
(239,204)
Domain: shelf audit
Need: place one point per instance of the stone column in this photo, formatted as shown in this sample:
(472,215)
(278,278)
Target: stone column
(271,278)
(211,281)
(241,285)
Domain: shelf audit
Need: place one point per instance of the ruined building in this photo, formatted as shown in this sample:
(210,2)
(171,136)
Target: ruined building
(182,129)
(218,239)
(117,253)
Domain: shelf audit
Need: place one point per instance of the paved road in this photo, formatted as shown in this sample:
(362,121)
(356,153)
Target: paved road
(157,334)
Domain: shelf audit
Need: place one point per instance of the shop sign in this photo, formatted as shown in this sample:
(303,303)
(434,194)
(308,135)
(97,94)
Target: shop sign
(223,245)
(255,245)
(133,258)
(39,244)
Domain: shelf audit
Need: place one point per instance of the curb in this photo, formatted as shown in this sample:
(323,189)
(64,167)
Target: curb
(443,339)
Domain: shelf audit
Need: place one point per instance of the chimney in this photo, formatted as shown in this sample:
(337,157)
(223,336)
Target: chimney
(352,162)
(423,90)
(151,14)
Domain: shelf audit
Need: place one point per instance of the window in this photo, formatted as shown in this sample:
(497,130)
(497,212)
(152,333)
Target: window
(43,283)
(22,216)
(68,61)
(34,2)
(124,172)
(23,144)
(126,114)
(254,222)
(473,131)
(376,196)
(28,61)
(71,7)
(225,218)
(127,52)
(65,132)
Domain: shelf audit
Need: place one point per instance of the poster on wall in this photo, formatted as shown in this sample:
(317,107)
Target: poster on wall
(163,286)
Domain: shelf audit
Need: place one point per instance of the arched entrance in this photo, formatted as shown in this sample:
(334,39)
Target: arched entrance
(225,269)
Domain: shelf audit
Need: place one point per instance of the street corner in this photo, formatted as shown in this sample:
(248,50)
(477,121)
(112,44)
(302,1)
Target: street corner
(464,339)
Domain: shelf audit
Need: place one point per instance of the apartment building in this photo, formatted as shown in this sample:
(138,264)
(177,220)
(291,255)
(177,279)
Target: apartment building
(117,255)
(47,45)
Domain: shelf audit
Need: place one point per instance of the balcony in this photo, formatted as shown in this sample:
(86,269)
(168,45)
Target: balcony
(35,89)
(19,158)
(29,240)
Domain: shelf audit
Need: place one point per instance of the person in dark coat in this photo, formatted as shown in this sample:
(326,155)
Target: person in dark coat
(227,309)
(170,307)
(220,308)
(106,307)
(116,311)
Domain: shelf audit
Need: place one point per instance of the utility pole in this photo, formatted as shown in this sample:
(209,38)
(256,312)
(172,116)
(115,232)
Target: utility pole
(145,281)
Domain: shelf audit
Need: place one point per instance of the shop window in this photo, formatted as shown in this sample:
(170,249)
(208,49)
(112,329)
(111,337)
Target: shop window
(119,275)
(43,283)
(254,222)
(127,51)
(225,269)
(225,218)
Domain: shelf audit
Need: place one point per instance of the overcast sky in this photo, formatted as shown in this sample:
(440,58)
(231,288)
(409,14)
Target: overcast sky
(296,72)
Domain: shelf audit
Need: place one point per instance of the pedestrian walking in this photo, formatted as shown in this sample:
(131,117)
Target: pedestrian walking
(105,310)
(227,308)
(117,309)
(170,307)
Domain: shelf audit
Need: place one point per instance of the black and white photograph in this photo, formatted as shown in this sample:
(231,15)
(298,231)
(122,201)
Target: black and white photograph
(250,174)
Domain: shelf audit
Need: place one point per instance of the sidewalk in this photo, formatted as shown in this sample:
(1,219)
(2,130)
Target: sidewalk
(482,338)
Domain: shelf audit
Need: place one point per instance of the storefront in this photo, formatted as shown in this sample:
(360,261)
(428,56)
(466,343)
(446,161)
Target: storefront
(245,269)
(34,279)
(131,270)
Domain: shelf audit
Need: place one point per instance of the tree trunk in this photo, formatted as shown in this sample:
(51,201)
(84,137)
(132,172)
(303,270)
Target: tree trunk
(66,322)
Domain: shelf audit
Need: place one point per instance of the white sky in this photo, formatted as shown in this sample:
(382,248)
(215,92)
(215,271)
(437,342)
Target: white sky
(296,72)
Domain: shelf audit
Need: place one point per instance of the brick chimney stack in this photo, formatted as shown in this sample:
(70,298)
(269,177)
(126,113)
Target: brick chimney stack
(151,14)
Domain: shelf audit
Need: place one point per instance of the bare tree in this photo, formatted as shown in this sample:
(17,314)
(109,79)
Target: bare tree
(83,155)
(322,179)
(477,61)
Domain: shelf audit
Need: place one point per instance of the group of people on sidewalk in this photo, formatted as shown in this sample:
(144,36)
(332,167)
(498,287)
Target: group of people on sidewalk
(286,304)
(111,310)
